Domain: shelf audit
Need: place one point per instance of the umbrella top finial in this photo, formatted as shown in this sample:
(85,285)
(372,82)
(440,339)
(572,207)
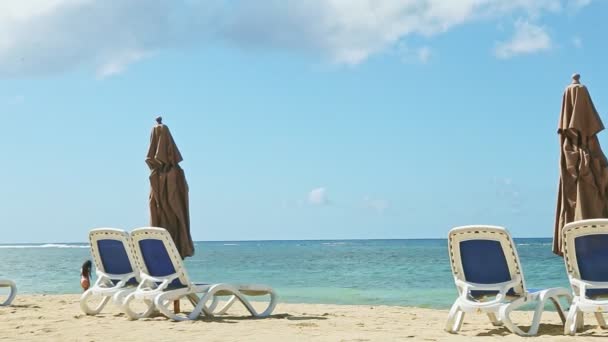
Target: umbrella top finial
(159,120)
(575,78)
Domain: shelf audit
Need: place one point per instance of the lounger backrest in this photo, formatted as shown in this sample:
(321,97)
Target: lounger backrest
(585,247)
(484,255)
(158,256)
(112,252)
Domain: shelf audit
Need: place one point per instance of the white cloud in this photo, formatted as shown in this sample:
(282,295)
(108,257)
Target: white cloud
(579,3)
(318,196)
(39,37)
(119,63)
(528,38)
(349,31)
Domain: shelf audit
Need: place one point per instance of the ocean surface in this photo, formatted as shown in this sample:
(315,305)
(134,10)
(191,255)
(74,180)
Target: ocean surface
(372,272)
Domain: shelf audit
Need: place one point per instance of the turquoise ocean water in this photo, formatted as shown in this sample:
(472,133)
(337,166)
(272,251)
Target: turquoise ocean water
(393,272)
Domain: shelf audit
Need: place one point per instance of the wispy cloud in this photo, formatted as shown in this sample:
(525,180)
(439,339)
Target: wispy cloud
(318,196)
(119,63)
(350,31)
(424,54)
(421,54)
(508,194)
(376,204)
(528,38)
(577,42)
(18,99)
(577,4)
(49,36)
(12,100)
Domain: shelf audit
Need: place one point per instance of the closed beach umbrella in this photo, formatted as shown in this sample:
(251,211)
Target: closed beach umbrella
(583,180)
(169,190)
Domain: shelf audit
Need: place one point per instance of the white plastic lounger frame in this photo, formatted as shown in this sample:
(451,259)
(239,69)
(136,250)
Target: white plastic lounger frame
(510,293)
(110,285)
(581,303)
(12,288)
(158,289)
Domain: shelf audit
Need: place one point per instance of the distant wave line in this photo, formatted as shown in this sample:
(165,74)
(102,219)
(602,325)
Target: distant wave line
(534,244)
(46,245)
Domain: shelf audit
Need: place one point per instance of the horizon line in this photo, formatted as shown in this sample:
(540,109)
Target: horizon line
(273,240)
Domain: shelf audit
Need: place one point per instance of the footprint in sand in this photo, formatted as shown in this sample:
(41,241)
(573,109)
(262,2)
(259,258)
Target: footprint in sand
(305,325)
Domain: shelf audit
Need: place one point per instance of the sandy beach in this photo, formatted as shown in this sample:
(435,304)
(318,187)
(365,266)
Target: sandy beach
(58,318)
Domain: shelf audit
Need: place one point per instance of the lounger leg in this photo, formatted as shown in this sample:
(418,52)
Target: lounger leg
(84,304)
(600,320)
(571,320)
(580,320)
(201,307)
(559,309)
(505,317)
(227,288)
(214,303)
(494,320)
(226,306)
(13,292)
(455,319)
(538,312)
(271,305)
(162,303)
(126,307)
(119,297)
(194,299)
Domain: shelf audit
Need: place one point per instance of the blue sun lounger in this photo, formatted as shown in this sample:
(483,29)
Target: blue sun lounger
(116,268)
(489,279)
(164,279)
(585,247)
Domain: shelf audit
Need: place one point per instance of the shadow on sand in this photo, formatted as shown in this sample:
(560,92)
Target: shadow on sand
(547,329)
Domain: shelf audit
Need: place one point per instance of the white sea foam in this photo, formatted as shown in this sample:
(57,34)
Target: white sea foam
(46,245)
(333,243)
(231,244)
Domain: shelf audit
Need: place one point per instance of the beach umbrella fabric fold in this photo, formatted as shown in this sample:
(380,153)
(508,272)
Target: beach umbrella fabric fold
(583,183)
(169,207)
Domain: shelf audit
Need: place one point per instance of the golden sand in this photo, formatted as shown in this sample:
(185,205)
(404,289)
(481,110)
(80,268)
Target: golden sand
(58,318)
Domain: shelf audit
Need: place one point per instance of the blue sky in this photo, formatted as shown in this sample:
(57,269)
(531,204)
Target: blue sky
(296,120)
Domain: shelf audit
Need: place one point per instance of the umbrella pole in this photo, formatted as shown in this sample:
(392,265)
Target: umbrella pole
(176,306)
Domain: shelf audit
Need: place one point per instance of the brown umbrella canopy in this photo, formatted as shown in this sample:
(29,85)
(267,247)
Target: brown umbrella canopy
(583,181)
(169,193)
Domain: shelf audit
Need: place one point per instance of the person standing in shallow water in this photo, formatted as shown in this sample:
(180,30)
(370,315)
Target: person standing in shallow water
(85,275)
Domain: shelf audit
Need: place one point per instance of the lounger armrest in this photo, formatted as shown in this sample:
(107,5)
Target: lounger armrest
(502,288)
(107,278)
(167,279)
(150,283)
(584,285)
